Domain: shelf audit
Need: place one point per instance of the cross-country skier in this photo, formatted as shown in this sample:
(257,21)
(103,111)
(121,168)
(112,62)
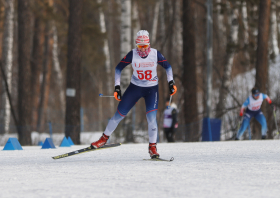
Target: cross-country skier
(253,104)
(144,83)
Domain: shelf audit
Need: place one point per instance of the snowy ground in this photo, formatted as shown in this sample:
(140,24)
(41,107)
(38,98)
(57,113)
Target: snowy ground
(204,169)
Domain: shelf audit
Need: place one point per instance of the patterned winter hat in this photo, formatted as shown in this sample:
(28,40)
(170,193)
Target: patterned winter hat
(142,37)
(255,90)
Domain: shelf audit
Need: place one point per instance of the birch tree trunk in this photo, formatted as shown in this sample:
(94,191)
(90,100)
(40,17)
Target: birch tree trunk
(57,68)
(231,48)
(246,29)
(162,37)
(136,23)
(56,64)
(125,48)
(125,40)
(273,31)
(24,71)
(7,60)
(162,25)
(278,17)
(106,52)
(221,25)
(155,23)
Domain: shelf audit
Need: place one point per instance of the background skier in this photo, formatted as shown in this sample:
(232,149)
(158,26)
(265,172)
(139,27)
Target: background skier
(253,104)
(170,122)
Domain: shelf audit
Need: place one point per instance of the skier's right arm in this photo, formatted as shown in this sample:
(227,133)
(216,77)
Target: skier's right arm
(245,104)
(124,62)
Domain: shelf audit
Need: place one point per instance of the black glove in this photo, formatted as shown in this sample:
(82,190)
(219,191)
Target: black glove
(172,87)
(272,106)
(118,93)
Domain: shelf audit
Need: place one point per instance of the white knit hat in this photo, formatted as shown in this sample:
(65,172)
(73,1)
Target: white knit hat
(142,37)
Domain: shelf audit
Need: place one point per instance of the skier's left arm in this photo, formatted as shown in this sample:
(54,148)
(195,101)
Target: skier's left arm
(163,62)
(122,64)
(244,105)
(267,98)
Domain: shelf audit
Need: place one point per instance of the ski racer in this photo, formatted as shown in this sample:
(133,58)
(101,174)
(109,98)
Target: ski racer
(144,83)
(253,104)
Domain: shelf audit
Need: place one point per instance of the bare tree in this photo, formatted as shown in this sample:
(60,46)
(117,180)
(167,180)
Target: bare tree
(246,29)
(7,60)
(74,54)
(56,63)
(44,89)
(36,67)
(24,71)
(155,23)
(125,48)
(273,31)
(262,49)
(189,70)
(231,48)
(109,85)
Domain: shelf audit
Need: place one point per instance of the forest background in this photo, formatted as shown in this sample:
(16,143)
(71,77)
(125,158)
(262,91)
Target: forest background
(58,55)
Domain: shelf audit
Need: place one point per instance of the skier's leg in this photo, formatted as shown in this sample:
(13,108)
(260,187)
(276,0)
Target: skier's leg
(113,123)
(130,97)
(261,119)
(151,100)
(244,125)
(152,126)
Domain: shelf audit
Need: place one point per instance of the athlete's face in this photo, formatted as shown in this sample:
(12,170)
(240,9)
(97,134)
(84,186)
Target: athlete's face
(142,47)
(256,96)
(166,103)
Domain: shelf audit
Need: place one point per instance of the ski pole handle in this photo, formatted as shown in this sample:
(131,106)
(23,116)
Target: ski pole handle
(101,95)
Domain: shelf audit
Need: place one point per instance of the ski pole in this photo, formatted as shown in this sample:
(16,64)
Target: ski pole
(249,132)
(274,113)
(101,95)
(239,124)
(170,101)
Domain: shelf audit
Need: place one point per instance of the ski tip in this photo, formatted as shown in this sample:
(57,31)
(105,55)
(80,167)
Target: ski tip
(172,158)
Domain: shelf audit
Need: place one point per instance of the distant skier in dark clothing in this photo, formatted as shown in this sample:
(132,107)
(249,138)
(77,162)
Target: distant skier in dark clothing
(170,122)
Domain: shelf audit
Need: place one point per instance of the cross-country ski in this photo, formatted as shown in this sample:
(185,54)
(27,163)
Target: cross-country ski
(84,150)
(160,159)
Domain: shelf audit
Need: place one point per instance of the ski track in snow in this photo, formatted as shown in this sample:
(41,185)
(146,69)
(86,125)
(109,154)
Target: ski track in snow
(204,169)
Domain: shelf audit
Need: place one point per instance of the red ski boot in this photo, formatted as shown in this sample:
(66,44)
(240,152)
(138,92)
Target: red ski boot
(153,150)
(101,142)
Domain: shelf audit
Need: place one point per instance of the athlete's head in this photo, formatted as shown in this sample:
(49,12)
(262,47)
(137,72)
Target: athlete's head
(142,42)
(167,101)
(255,93)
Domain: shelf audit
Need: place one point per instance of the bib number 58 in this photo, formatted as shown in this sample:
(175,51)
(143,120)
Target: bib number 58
(147,75)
